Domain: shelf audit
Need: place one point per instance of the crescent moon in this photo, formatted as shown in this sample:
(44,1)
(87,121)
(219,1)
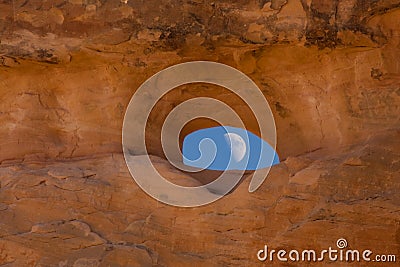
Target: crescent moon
(237,144)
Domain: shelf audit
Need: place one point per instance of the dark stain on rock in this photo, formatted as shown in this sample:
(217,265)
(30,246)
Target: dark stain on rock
(282,111)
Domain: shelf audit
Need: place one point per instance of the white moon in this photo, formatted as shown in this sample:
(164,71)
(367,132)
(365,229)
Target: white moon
(238,145)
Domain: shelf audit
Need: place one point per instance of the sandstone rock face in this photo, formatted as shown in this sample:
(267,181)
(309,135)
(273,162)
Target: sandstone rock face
(88,212)
(329,69)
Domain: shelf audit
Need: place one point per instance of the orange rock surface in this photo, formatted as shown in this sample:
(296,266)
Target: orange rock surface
(330,71)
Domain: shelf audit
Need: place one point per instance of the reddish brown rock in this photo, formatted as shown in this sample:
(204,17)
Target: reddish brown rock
(104,218)
(329,70)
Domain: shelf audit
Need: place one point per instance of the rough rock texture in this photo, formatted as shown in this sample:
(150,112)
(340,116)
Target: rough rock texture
(88,212)
(329,69)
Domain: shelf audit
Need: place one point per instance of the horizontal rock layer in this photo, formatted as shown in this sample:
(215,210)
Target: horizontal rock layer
(89,212)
